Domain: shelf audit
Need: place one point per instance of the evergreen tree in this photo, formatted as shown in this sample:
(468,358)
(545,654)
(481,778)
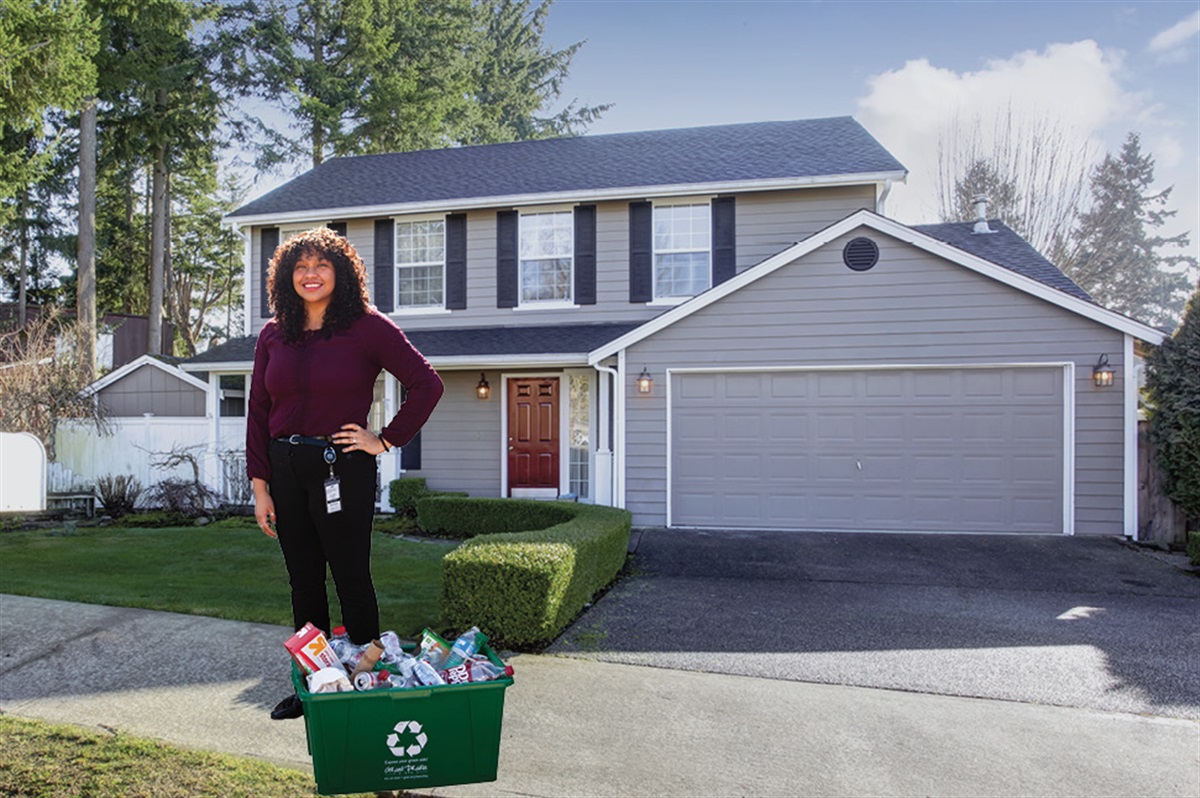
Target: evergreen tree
(46,51)
(371,76)
(159,110)
(206,270)
(518,78)
(1117,257)
(1173,393)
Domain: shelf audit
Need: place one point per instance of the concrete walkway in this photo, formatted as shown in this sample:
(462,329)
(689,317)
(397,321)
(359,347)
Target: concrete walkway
(578,727)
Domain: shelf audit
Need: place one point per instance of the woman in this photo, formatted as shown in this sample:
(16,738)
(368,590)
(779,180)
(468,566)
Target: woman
(309,453)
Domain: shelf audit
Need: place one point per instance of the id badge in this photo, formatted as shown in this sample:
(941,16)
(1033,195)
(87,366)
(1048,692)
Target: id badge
(333,495)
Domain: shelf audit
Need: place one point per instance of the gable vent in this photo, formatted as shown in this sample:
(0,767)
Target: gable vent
(860,254)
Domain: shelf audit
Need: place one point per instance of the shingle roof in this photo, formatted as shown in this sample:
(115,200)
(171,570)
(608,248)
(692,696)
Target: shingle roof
(560,339)
(718,154)
(1003,248)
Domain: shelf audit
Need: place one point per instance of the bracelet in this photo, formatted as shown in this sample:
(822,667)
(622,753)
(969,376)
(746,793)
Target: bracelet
(387,447)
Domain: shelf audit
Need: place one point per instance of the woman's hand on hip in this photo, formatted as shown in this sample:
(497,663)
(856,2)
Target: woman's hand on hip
(352,437)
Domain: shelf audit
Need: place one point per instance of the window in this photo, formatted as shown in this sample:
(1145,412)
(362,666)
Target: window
(682,243)
(420,263)
(580,427)
(546,248)
(232,396)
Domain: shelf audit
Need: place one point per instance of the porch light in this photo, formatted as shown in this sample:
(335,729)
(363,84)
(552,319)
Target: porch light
(645,382)
(1102,374)
(483,390)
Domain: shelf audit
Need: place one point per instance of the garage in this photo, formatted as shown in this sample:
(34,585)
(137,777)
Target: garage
(938,449)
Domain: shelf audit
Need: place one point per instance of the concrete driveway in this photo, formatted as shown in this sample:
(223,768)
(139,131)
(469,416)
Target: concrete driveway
(1066,621)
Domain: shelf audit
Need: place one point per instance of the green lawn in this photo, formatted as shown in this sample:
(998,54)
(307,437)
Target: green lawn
(52,760)
(219,571)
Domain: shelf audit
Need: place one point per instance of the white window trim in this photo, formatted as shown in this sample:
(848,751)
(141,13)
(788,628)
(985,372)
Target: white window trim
(545,304)
(676,202)
(416,310)
(286,232)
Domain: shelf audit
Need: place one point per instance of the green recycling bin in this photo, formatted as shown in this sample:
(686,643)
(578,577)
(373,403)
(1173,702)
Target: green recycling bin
(404,739)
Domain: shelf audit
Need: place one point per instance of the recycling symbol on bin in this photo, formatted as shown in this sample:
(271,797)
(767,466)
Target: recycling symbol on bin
(393,740)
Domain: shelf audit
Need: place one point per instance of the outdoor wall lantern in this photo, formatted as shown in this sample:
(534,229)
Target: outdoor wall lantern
(483,390)
(645,382)
(1102,374)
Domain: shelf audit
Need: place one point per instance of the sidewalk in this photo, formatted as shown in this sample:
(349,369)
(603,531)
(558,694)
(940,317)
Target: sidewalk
(574,727)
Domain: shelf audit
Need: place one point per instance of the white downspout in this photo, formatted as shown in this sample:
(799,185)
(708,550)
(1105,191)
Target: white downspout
(618,433)
(1130,387)
(881,202)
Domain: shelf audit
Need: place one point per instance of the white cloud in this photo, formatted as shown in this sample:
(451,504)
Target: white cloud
(1170,44)
(1073,87)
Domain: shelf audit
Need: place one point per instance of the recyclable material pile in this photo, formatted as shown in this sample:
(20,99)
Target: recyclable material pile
(335,665)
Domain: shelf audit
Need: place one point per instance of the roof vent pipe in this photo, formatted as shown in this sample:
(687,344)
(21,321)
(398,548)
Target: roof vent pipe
(981,224)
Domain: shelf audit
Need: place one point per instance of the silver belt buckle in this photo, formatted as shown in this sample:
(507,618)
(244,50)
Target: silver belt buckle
(293,439)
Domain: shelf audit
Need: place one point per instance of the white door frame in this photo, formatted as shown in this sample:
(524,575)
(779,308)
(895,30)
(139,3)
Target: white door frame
(564,416)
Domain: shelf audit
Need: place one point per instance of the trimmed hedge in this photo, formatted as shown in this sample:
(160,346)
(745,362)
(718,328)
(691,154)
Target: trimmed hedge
(404,493)
(523,588)
(1193,547)
(464,520)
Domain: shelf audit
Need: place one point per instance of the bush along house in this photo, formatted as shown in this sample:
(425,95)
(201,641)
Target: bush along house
(718,327)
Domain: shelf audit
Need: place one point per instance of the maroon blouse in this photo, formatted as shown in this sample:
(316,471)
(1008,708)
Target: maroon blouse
(314,386)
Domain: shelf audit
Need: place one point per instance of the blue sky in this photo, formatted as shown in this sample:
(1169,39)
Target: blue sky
(908,71)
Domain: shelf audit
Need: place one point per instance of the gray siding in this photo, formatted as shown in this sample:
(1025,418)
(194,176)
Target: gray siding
(912,308)
(152,390)
(460,444)
(767,223)
(770,222)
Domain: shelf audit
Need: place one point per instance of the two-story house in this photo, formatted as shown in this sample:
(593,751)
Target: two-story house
(718,327)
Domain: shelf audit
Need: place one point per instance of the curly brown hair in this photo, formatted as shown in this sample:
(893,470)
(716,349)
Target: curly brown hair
(349,301)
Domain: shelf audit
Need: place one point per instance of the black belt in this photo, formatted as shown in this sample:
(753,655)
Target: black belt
(322,441)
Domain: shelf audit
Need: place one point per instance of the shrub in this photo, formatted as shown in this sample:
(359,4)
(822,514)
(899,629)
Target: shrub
(118,494)
(1193,547)
(183,497)
(463,520)
(523,588)
(153,519)
(393,524)
(404,492)
(1173,394)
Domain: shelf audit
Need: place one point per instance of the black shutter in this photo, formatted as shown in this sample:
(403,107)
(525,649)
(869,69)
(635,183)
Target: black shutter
(410,454)
(385,264)
(456,261)
(724,240)
(641,252)
(585,255)
(268,244)
(339,228)
(506,259)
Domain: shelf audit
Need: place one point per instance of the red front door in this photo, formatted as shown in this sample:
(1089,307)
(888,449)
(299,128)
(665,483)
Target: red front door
(532,433)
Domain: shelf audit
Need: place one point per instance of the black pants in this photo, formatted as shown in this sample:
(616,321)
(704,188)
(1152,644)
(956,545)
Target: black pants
(311,538)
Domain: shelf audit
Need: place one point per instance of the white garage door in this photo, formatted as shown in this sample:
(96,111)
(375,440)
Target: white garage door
(939,449)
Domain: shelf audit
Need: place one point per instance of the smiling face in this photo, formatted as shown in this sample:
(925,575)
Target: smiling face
(314,279)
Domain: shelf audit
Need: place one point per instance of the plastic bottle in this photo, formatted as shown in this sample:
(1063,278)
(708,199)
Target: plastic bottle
(424,673)
(465,647)
(391,646)
(340,642)
(475,670)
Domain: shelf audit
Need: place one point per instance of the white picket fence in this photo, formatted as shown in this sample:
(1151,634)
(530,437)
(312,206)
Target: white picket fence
(134,444)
